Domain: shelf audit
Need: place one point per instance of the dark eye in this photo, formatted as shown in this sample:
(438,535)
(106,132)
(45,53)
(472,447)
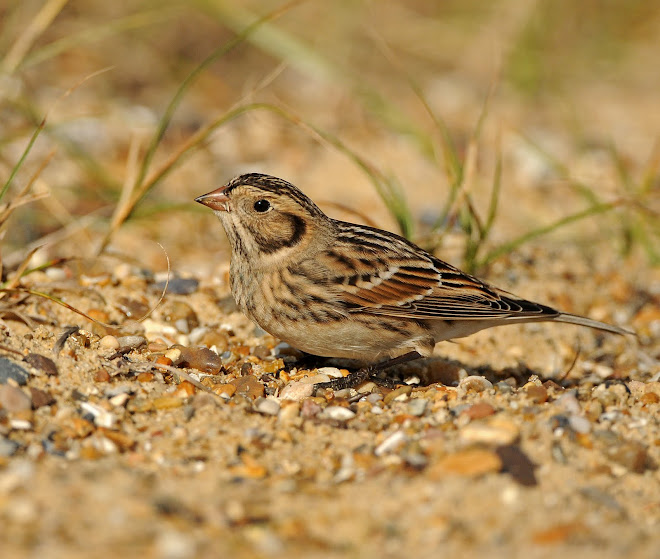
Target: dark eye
(262,206)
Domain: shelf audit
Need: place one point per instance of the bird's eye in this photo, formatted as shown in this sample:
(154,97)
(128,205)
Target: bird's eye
(262,206)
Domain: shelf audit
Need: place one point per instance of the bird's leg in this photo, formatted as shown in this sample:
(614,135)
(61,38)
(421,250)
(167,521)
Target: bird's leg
(369,373)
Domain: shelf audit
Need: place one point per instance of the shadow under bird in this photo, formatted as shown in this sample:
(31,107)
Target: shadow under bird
(337,289)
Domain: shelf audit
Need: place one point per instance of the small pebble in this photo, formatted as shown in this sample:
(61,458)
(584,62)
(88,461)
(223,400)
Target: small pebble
(101,375)
(310,408)
(41,398)
(568,402)
(391,444)
(42,363)
(315,379)
(20,424)
(267,406)
(297,391)
(398,394)
(374,397)
(474,383)
(109,342)
(168,402)
(127,343)
(338,413)
(289,412)
(344,393)
(225,391)
(101,417)
(472,462)
(538,394)
(13,399)
(332,372)
(649,398)
(261,351)
(495,431)
(177,286)
(504,387)
(156,346)
(11,370)
(417,406)
(119,400)
(478,410)
(579,424)
(200,358)
(367,388)
(248,386)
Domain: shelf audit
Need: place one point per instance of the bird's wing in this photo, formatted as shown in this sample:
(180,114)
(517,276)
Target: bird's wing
(406,282)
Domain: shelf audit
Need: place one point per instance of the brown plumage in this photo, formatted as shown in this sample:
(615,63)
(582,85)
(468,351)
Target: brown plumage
(337,289)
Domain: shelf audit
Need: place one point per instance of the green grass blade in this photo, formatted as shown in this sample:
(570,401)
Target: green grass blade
(21,160)
(190,79)
(535,233)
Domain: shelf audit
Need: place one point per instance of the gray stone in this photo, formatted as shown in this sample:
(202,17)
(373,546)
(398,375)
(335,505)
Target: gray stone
(11,370)
(8,447)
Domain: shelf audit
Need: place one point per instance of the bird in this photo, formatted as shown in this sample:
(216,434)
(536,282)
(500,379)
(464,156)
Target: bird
(336,289)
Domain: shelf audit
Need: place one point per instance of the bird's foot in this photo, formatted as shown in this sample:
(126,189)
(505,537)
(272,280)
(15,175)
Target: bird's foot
(358,377)
(371,373)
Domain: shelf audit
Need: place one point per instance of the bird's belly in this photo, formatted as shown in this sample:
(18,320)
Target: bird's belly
(351,337)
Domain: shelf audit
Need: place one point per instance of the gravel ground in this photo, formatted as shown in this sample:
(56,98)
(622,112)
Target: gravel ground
(137,440)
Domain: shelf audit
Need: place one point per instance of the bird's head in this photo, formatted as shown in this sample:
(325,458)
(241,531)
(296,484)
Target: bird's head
(264,216)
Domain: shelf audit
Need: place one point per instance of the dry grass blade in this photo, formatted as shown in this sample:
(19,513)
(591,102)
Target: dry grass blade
(185,376)
(142,186)
(54,300)
(38,24)
(18,274)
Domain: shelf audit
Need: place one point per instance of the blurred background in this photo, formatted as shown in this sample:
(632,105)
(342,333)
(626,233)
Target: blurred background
(478,128)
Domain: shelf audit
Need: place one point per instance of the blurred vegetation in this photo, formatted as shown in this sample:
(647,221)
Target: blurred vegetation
(101,102)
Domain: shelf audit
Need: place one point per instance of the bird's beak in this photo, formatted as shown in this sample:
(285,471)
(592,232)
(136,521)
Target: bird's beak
(216,200)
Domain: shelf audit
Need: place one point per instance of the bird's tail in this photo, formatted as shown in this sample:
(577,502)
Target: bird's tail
(583,321)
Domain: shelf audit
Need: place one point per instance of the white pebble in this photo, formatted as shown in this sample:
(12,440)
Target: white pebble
(102,418)
(579,424)
(267,406)
(119,399)
(297,391)
(339,413)
(109,342)
(314,379)
(474,383)
(569,403)
(20,424)
(332,372)
(391,443)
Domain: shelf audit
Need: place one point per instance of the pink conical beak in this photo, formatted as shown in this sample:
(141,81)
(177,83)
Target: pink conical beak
(216,200)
